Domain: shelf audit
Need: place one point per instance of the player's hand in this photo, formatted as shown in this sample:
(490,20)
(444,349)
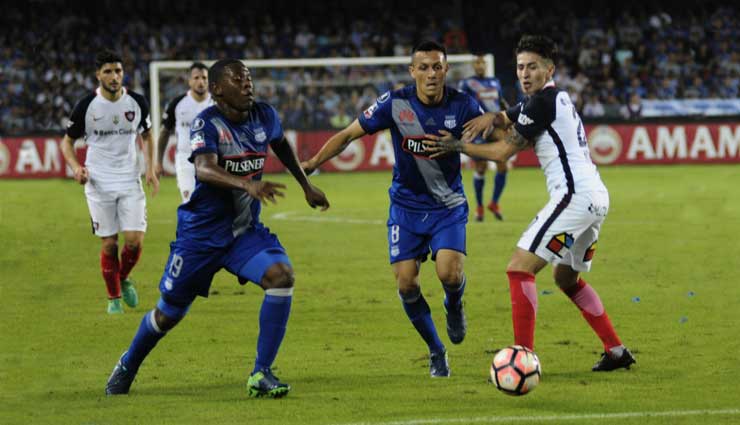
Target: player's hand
(316,198)
(81,175)
(264,190)
(159,170)
(441,145)
(477,126)
(309,166)
(152,181)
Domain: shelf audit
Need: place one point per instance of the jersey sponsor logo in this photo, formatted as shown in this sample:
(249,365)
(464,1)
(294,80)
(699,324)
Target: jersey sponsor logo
(415,146)
(450,121)
(524,120)
(246,164)
(560,243)
(130,115)
(120,131)
(370,111)
(197,141)
(383,97)
(198,124)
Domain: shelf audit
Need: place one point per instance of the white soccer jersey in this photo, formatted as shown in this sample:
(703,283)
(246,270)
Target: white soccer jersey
(110,130)
(178,116)
(551,121)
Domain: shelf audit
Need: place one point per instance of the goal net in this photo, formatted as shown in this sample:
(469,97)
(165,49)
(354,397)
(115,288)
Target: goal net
(311,95)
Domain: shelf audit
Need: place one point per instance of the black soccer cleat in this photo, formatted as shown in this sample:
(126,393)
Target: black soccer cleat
(438,365)
(120,380)
(264,384)
(608,363)
(457,325)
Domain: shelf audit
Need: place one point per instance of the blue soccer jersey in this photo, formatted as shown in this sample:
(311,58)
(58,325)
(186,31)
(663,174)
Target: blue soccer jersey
(214,216)
(487,91)
(420,183)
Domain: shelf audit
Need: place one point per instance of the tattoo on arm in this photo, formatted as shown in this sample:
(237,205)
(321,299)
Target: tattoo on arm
(516,139)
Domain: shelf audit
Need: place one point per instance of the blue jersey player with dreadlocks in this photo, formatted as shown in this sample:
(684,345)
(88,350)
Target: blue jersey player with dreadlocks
(219,227)
(428,208)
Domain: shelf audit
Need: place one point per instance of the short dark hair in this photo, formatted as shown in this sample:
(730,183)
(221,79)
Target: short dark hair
(429,46)
(540,44)
(106,56)
(198,65)
(217,69)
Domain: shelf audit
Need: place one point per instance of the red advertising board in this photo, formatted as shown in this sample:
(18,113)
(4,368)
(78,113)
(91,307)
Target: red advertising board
(41,157)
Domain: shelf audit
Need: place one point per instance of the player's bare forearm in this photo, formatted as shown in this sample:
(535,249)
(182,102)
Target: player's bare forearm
(490,151)
(208,171)
(68,151)
(151,159)
(337,143)
(287,156)
(164,138)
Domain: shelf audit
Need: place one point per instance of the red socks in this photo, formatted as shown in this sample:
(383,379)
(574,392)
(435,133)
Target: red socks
(109,266)
(523,307)
(588,301)
(129,258)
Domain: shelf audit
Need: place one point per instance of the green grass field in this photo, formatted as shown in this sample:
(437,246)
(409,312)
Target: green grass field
(350,353)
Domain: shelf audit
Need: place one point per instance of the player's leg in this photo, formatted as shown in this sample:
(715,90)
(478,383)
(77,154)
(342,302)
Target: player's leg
(185,172)
(418,311)
(479,180)
(132,220)
(103,216)
(258,256)
(188,273)
(499,182)
(521,272)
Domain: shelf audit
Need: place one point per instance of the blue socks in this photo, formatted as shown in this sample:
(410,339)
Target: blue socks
(478,182)
(453,294)
(144,341)
(499,181)
(273,320)
(418,311)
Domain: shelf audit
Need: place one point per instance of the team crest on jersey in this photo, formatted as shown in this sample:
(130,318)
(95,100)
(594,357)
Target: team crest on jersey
(198,124)
(589,252)
(259,135)
(115,119)
(450,121)
(130,115)
(559,243)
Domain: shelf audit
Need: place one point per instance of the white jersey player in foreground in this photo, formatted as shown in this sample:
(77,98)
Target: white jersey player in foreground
(178,116)
(110,120)
(565,231)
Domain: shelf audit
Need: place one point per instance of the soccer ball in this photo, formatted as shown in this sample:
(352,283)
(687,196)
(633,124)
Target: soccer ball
(515,370)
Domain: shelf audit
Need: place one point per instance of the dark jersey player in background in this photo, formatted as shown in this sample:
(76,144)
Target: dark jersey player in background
(487,90)
(428,209)
(219,226)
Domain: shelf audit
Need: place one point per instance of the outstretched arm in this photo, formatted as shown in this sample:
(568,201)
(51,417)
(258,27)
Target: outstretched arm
(500,151)
(485,124)
(334,146)
(285,154)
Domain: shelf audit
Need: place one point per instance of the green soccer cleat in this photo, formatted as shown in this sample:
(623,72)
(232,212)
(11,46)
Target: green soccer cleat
(264,384)
(130,297)
(114,306)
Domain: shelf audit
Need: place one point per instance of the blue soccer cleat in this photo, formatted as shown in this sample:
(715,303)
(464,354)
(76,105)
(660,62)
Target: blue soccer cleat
(120,380)
(438,365)
(457,325)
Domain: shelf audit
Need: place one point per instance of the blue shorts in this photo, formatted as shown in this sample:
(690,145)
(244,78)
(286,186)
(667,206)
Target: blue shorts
(190,267)
(412,234)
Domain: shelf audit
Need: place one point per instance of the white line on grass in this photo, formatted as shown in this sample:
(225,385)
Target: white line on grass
(290,216)
(574,417)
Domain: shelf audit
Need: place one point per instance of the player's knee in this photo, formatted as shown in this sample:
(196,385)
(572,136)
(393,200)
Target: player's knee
(501,166)
(407,284)
(165,322)
(565,278)
(278,276)
(109,246)
(450,276)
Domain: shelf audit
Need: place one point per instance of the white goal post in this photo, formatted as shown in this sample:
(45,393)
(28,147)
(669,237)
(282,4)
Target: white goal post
(156,68)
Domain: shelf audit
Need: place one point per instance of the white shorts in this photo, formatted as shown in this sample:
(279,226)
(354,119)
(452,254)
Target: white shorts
(185,172)
(565,231)
(116,211)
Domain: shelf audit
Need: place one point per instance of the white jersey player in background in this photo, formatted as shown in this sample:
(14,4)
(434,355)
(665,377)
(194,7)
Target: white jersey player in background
(565,231)
(110,121)
(178,117)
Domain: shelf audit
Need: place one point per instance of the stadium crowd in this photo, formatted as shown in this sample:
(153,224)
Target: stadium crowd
(609,61)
